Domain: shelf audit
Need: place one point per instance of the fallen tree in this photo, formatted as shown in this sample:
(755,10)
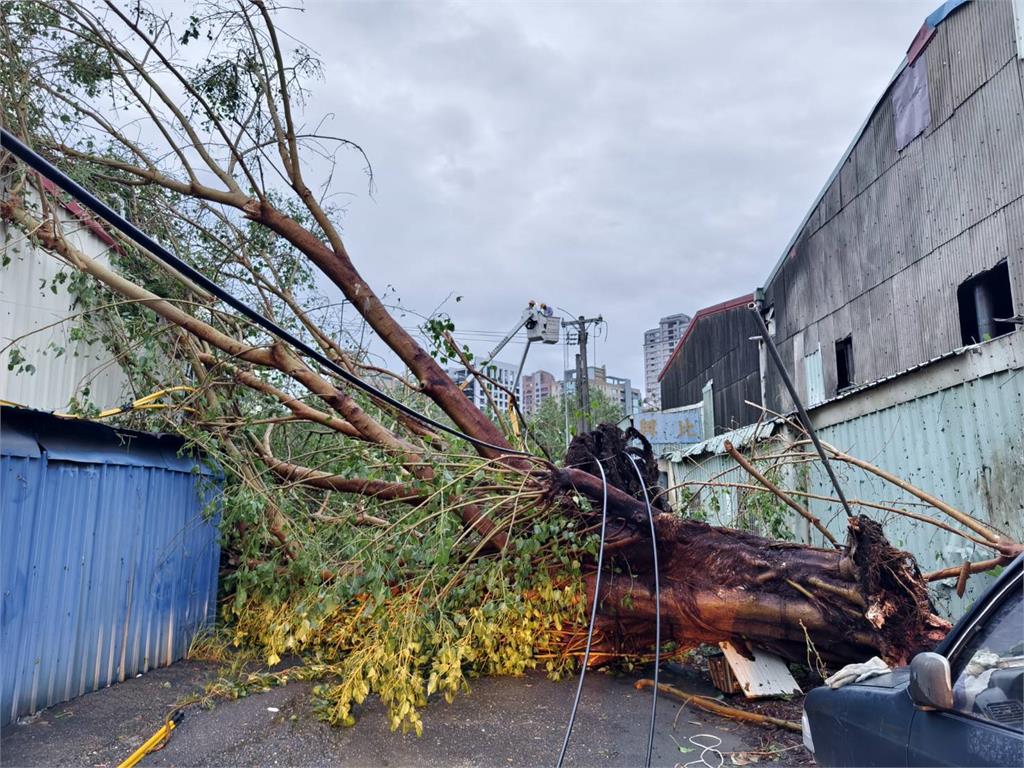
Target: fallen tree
(396,558)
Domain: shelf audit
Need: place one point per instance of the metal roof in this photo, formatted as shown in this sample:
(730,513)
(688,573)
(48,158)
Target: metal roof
(714,309)
(740,438)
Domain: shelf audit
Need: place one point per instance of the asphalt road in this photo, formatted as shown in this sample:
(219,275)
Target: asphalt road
(502,722)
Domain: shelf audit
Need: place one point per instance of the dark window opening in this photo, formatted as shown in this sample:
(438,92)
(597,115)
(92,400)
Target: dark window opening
(984,302)
(844,364)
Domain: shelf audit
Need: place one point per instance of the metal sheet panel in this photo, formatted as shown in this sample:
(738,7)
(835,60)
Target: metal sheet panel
(884,133)
(986,243)
(827,340)
(832,267)
(964,445)
(1018,19)
(940,81)
(108,571)
(817,300)
(848,181)
(941,183)
(719,505)
(814,378)
(669,429)
(889,224)
(913,201)
(949,266)
(832,201)
(1015,252)
(32,312)
(910,309)
(973,171)
(863,350)
(866,210)
(1004,135)
(865,159)
(967,63)
(883,330)
(997,33)
(848,246)
(909,106)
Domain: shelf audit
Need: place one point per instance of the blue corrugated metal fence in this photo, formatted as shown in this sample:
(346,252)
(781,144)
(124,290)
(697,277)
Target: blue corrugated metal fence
(109,560)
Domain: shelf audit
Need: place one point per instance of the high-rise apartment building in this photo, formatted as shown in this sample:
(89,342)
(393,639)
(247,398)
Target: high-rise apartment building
(617,389)
(537,387)
(658,345)
(499,373)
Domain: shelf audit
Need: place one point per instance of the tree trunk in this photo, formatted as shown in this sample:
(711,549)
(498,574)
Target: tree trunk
(723,584)
(720,584)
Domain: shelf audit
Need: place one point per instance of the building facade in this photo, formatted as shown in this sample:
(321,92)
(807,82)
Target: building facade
(538,387)
(499,381)
(897,308)
(44,364)
(915,246)
(658,345)
(615,388)
(716,363)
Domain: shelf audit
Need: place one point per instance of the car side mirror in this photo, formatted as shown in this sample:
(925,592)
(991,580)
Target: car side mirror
(930,685)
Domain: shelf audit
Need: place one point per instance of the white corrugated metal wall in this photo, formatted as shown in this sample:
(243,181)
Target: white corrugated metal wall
(32,307)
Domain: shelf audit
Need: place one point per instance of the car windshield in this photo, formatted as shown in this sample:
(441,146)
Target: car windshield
(990,674)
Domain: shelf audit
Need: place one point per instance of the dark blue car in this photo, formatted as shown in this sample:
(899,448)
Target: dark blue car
(961,705)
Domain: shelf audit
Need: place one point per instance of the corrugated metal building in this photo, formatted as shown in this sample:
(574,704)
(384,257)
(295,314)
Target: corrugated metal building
(898,230)
(951,427)
(37,315)
(108,556)
(920,224)
(715,359)
(893,306)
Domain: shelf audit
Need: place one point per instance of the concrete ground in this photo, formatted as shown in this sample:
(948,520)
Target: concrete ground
(502,722)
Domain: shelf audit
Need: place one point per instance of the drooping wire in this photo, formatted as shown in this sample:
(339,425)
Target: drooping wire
(657,610)
(41,165)
(593,614)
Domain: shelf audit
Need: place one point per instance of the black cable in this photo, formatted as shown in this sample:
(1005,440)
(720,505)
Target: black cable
(41,165)
(657,609)
(773,352)
(593,613)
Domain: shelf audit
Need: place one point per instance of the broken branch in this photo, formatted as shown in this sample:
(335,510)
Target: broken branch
(740,459)
(710,705)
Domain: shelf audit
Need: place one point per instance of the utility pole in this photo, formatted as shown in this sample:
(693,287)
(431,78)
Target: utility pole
(582,374)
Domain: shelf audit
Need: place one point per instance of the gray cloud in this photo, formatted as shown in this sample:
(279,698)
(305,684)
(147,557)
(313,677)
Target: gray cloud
(622,159)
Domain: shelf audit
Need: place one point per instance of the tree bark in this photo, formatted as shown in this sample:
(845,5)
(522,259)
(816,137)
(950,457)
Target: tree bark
(723,584)
(717,584)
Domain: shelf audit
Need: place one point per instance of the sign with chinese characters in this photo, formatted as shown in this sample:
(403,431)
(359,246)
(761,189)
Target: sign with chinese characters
(680,427)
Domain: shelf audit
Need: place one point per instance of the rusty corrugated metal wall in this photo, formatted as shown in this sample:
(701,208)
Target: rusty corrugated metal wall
(719,349)
(896,231)
(109,561)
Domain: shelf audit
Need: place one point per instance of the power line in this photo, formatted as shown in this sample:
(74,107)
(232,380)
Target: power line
(593,614)
(657,608)
(41,165)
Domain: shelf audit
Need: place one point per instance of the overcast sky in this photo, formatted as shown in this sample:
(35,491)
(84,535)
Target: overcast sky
(625,160)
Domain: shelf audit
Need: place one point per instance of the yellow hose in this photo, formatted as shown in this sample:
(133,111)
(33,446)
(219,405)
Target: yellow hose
(163,733)
(142,404)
